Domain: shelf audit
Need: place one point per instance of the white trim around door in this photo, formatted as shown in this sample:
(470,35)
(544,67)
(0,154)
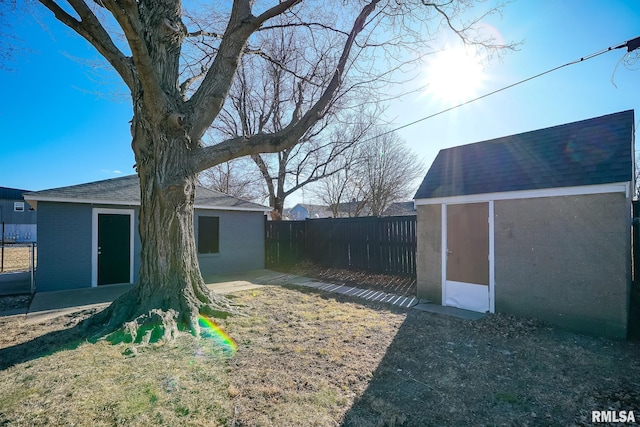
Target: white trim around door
(467,295)
(94,240)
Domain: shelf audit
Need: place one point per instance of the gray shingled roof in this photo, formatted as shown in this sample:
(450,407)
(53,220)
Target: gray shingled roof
(588,152)
(400,209)
(7,193)
(126,190)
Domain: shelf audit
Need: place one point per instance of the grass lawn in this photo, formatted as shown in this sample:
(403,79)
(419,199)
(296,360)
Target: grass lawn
(306,358)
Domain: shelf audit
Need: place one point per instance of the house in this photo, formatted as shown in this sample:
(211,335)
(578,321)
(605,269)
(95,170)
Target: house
(354,208)
(305,211)
(536,224)
(18,219)
(87,233)
(400,209)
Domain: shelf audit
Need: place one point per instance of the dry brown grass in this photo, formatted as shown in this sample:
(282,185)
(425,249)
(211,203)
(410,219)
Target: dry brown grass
(307,358)
(16,258)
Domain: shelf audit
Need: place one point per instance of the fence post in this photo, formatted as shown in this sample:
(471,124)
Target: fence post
(2,249)
(32,267)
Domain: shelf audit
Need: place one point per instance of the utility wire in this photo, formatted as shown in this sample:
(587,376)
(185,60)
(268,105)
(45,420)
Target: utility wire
(630,45)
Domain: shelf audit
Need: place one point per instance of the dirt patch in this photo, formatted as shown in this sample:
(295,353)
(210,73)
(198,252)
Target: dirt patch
(311,358)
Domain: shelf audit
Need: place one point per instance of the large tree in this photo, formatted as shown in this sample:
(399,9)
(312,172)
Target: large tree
(264,94)
(179,78)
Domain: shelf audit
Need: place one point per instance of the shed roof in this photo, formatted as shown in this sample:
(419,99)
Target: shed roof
(126,191)
(587,152)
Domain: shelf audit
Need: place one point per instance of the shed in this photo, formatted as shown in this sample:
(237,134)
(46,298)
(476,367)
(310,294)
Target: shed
(88,233)
(536,224)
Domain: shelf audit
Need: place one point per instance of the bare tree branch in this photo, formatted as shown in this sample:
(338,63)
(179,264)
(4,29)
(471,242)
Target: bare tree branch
(206,157)
(92,30)
(309,25)
(126,14)
(217,82)
(203,33)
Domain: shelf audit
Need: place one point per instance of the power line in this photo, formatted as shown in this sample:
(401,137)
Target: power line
(631,45)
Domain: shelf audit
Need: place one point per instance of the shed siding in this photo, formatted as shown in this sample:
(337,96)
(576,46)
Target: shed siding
(429,253)
(241,243)
(64,246)
(565,260)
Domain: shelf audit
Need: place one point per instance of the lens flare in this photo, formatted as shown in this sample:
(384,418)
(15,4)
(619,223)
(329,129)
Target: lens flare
(215,332)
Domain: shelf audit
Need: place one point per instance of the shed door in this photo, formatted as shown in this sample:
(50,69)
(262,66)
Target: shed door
(467,269)
(114,257)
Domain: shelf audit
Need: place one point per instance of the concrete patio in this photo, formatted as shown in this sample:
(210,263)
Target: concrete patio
(46,305)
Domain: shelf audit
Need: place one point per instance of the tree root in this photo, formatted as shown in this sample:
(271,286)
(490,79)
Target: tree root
(134,319)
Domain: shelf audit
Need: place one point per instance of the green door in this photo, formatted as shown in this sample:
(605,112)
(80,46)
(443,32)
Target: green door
(114,248)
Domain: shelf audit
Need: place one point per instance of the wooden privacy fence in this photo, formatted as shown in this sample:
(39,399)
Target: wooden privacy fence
(375,244)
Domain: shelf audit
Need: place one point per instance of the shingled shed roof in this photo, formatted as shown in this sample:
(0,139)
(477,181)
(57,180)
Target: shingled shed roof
(588,152)
(126,191)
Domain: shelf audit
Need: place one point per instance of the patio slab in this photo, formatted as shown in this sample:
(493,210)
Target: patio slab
(46,305)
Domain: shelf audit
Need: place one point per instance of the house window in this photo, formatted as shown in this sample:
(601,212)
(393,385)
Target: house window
(208,235)
(18,206)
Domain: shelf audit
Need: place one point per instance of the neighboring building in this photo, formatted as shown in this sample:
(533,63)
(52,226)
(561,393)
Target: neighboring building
(305,211)
(88,233)
(354,208)
(18,217)
(351,209)
(400,209)
(536,224)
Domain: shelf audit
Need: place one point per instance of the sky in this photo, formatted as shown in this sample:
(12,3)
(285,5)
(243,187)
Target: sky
(64,123)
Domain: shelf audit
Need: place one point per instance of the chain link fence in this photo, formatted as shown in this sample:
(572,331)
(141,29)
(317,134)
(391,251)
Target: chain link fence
(17,267)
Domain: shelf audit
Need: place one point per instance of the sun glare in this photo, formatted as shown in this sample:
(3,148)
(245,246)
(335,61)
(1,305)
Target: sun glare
(454,75)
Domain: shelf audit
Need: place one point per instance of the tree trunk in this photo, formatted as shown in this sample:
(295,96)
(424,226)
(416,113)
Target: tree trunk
(171,292)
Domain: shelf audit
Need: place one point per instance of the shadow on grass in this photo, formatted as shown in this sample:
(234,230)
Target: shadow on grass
(328,295)
(45,345)
(500,370)
(394,284)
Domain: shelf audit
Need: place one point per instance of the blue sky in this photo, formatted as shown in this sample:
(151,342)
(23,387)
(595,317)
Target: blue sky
(63,124)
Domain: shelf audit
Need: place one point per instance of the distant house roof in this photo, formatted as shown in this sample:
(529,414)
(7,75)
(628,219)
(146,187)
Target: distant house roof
(313,211)
(347,209)
(126,191)
(7,193)
(400,209)
(588,152)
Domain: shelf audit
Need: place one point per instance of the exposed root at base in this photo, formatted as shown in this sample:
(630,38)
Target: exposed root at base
(131,319)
